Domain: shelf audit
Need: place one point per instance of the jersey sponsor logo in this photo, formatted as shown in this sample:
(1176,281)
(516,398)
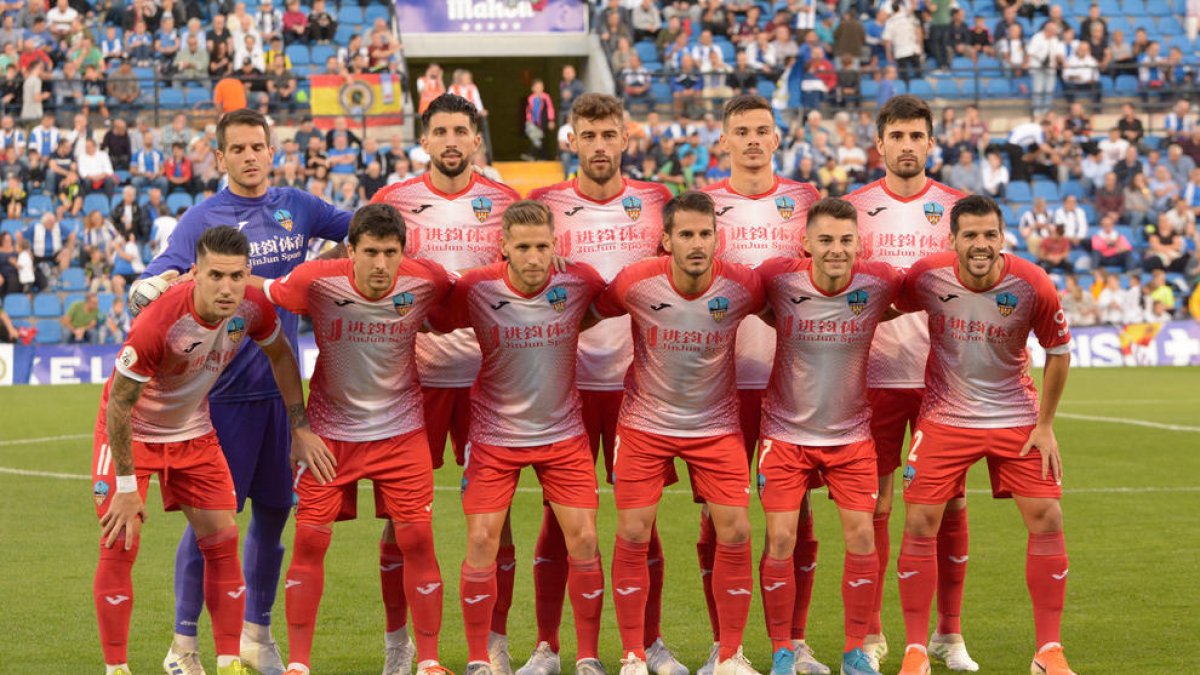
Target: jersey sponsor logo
(403,303)
(718,307)
(128,357)
(876,211)
(1006,303)
(284,218)
(786,206)
(800,300)
(633,207)
(933,212)
(857,301)
(723,210)
(947,297)
(421,208)
(482,207)
(660,306)
(192,347)
(499,304)
(343,303)
(572,211)
(910,472)
(236,329)
(557,297)
(100,492)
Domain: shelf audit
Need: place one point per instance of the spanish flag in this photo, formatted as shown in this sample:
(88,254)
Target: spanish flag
(380,97)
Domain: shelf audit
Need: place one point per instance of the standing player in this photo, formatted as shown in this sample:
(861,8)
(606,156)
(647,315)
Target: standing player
(525,411)
(365,403)
(901,219)
(249,417)
(981,402)
(607,222)
(453,215)
(816,420)
(154,419)
(759,216)
(680,401)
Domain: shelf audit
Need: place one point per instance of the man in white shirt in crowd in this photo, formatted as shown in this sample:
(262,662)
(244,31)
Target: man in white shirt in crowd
(96,170)
(1046,55)
(1073,219)
(1081,74)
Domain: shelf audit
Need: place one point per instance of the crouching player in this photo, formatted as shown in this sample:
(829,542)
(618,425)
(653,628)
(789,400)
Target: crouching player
(525,411)
(154,420)
(980,402)
(816,423)
(365,403)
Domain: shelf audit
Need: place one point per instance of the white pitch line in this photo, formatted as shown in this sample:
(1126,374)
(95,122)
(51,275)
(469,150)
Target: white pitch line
(1130,422)
(44,439)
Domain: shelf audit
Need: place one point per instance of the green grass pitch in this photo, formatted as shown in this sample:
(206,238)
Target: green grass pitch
(1130,438)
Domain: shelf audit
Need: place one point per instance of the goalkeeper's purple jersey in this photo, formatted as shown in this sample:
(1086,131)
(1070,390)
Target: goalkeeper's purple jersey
(279,226)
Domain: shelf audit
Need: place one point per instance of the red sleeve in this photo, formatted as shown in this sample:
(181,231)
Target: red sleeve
(291,290)
(1048,318)
(611,301)
(454,312)
(892,277)
(770,269)
(266,325)
(906,294)
(749,279)
(443,281)
(595,282)
(143,350)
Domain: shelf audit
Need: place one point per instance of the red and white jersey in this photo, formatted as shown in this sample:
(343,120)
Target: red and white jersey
(900,231)
(978,368)
(525,394)
(608,236)
(818,390)
(682,380)
(459,232)
(180,356)
(751,230)
(364,387)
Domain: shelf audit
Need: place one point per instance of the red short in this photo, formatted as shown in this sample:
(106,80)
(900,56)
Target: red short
(787,471)
(600,410)
(893,412)
(399,467)
(447,411)
(565,469)
(644,461)
(190,473)
(940,456)
(750,411)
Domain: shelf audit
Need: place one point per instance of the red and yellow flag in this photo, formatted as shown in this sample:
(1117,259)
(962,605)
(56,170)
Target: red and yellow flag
(380,97)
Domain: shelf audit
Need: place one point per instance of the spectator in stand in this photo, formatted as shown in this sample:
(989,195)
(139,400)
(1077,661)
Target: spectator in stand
(147,166)
(295,24)
(1129,166)
(127,263)
(1166,249)
(1139,202)
(1046,55)
(9,279)
(1054,250)
(686,88)
(96,173)
(994,176)
(98,235)
(177,169)
(1079,305)
(1183,220)
(281,86)
(12,136)
(13,197)
(343,161)
(1179,164)
(1035,225)
(965,175)
(116,324)
(33,93)
(539,121)
(1074,221)
(127,214)
(1109,198)
(321,25)
(1179,122)
(123,86)
(1130,126)
(1159,292)
(714,74)
(1093,170)
(268,20)
(1081,74)
(191,62)
(1110,248)
(117,145)
(646,20)
(370,181)
(229,94)
(980,40)
(569,88)
(1109,303)
(52,247)
(81,319)
(1163,188)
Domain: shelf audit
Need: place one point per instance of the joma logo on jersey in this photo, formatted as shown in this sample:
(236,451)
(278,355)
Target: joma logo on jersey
(236,329)
(633,207)
(403,303)
(1006,303)
(933,212)
(857,301)
(284,218)
(718,307)
(482,207)
(557,297)
(786,207)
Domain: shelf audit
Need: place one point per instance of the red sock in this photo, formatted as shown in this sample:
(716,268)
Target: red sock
(477,589)
(586,582)
(860,576)
(883,550)
(423,584)
(304,586)
(733,578)
(706,550)
(654,561)
(113,594)
(804,562)
(630,577)
(549,579)
(506,566)
(391,582)
(1046,577)
(952,545)
(778,584)
(224,589)
(917,569)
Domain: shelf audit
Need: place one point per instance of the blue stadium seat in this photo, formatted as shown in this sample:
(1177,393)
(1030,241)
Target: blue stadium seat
(962,64)
(106,302)
(1074,188)
(375,11)
(73,279)
(350,14)
(1018,191)
(197,96)
(660,92)
(346,31)
(97,201)
(920,87)
(37,205)
(988,65)
(1046,190)
(946,89)
(171,98)
(179,200)
(72,298)
(1010,216)
(321,53)
(17,305)
(49,331)
(73,224)
(298,54)
(47,305)
(766,88)
(1158,7)
(647,51)
(1090,212)
(728,51)
(1020,245)
(1111,8)
(1168,26)
(998,88)
(869,89)
(12,226)
(1126,85)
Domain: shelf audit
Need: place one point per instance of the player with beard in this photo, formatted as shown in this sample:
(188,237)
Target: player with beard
(453,218)
(903,218)
(608,222)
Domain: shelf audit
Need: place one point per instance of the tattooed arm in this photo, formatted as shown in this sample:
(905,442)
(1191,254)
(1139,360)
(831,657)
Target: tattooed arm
(308,450)
(127,510)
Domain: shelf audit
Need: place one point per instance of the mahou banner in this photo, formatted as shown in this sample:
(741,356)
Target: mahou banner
(496,17)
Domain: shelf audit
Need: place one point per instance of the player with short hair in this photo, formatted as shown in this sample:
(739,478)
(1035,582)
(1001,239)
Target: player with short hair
(680,401)
(246,410)
(365,403)
(453,216)
(525,412)
(608,222)
(154,419)
(760,215)
(981,402)
(816,427)
(902,218)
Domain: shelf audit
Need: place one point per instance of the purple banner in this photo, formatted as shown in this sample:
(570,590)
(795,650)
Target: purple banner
(1145,344)
(495,17)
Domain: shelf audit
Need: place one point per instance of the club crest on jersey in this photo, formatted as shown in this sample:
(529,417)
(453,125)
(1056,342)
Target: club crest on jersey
(100,492)
(910,472)
(786,207)
(284,218)
(718,307)
(934,212)
(1006,303)
(482,207)
(857,301)
(236,329)
(633,207)
(403,303)
(557,297)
